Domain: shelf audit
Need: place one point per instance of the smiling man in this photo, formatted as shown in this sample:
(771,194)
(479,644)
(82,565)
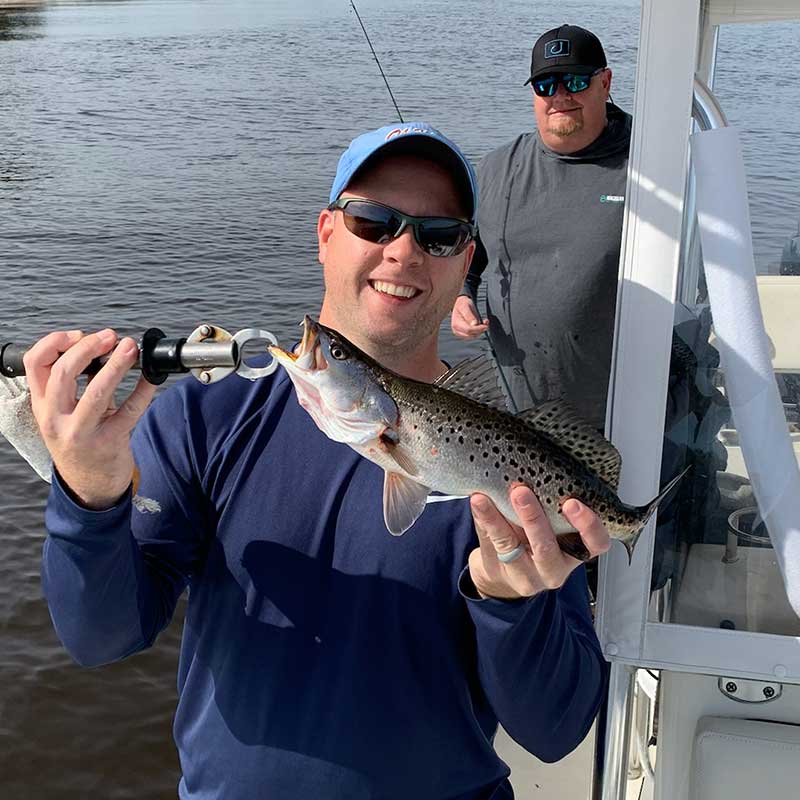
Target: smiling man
(321,657)
(550,229)
(394,297)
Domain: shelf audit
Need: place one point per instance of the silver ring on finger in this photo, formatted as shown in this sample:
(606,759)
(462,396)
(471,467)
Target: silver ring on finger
(511,555)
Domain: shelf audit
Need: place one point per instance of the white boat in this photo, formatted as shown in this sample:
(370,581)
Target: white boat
(705,689)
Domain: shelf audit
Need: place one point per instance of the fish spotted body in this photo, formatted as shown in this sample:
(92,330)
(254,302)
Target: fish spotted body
(454,436)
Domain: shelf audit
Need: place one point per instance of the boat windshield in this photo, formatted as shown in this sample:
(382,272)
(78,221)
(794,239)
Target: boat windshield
(714,565)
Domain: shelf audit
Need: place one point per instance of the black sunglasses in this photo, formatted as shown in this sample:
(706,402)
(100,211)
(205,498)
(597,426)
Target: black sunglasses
(547,85)
(375,222)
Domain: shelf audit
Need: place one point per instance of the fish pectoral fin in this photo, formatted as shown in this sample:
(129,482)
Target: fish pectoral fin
(388,442)
(403,460)
(403,501)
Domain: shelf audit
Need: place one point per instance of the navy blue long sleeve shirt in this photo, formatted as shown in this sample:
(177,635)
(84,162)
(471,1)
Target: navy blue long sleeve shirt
(321,656)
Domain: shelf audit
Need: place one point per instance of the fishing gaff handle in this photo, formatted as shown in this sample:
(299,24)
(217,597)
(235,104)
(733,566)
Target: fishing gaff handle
(11,360)
(158,358)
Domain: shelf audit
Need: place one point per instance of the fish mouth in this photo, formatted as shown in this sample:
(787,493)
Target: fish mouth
(308,354)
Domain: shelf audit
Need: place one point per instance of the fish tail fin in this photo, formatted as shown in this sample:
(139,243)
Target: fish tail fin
(650,507)
(647,511)
(666,490)
(630,543)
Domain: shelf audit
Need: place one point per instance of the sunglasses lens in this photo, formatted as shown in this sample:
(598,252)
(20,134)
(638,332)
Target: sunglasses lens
(545,87)
(437,236)
(371,222)
(443,237)
(548,85)
(577,83)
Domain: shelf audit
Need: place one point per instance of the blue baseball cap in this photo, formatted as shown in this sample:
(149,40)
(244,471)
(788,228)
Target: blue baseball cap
(416,138)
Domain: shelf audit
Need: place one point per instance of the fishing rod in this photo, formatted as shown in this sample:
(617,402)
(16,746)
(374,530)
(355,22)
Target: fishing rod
(509,396)
(210,353)
(375,55)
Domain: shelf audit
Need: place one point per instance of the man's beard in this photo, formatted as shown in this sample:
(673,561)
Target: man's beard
(565,126)
(399,344)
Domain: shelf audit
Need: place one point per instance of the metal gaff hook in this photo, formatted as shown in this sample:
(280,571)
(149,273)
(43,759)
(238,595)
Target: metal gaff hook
(213,333)
(244,370)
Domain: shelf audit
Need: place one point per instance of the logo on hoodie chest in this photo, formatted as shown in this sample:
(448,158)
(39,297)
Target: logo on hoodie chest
(612,198)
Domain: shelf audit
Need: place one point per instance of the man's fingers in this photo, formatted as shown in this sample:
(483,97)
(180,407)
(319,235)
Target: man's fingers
(78,357)
(459,325)
(62,385)
(469,331)
(482,510)
(41,357)
(552,565)
(502,545)
(588,524)
(98,396)
(127,415)
(513,562)
(465,320)
(88,440)
(496,535)
(505,568)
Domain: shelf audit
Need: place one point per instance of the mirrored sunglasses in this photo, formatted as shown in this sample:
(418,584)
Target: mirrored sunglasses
(547,85)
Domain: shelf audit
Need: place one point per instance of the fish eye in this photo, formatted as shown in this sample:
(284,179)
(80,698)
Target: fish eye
(338,352)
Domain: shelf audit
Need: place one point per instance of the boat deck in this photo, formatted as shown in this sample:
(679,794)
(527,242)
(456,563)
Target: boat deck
(568,779)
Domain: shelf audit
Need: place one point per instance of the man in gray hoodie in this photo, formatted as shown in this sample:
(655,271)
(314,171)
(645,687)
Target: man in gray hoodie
(550,227)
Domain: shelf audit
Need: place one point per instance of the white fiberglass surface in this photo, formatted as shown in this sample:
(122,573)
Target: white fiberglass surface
(714,565)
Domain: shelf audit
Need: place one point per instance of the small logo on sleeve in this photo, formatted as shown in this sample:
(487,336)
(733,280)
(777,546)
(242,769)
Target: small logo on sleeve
(556,48)
(612,198)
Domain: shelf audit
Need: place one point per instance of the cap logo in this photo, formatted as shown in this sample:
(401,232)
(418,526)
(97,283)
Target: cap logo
(556,48)
(404,131)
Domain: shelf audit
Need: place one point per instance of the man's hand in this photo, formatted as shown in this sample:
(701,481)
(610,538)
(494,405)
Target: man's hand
(542,565)
(88,438)
(465,320)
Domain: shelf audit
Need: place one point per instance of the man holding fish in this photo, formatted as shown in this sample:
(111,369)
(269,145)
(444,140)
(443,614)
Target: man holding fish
(321,656)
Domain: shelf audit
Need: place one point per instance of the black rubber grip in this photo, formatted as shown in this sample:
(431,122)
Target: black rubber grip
(12,367)
(11,360)
(159,357)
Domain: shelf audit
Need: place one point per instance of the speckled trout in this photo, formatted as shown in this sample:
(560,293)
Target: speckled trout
(455,436)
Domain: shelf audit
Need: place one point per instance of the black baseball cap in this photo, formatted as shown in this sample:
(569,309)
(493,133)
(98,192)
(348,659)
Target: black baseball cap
(567,48)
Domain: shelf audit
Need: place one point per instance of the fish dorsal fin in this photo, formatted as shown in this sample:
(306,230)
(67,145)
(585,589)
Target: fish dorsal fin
(561,423)
(403,501)
(475,378)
